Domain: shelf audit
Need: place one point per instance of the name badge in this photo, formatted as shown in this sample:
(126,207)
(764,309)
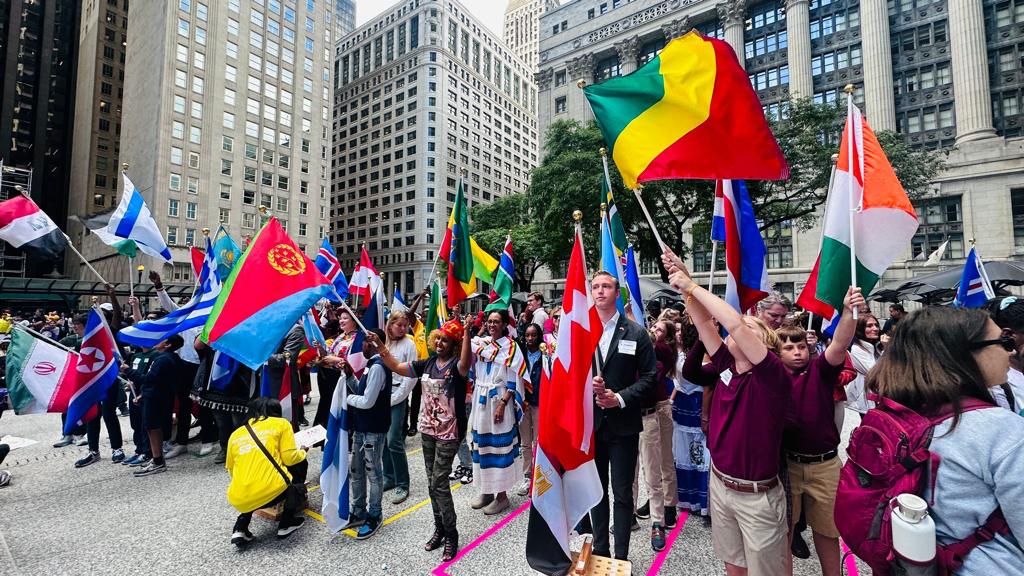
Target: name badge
(627,347)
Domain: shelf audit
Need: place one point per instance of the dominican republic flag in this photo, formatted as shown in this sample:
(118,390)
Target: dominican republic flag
(975,289)
(365,279)
(149,333)
(132,220)
(284,395)
(565,481)
(23,225)
(334,466)
(718,216)
(746,279)
(98,365)
(328,265)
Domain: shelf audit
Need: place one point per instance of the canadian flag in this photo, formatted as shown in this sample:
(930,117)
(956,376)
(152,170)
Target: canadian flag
(565,481)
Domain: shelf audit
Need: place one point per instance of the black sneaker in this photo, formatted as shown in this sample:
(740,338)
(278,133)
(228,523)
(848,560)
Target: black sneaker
(142,461)
(241,537)
(799,547)
(670,517)
(657,537)
(117,457)
(286,528)
(644,512)
(368,529)
(456,474)
(90,458)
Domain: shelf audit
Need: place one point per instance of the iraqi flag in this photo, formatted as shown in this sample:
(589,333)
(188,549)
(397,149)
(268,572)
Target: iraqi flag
(565,481)
(746,278)
(40,376)
(96,372)
(23,225)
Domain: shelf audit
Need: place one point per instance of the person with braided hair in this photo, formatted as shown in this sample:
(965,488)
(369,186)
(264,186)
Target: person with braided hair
(1008,314)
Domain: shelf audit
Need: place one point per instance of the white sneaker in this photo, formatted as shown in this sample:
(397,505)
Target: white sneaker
(206,449)
(524,488)
(175,451)
(81,441)
(167,446)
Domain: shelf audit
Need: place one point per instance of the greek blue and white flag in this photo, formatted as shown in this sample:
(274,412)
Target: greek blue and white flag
(149,333)
(334,468)
(132,220)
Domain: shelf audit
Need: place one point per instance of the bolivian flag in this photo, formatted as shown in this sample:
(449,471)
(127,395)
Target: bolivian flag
(688,113)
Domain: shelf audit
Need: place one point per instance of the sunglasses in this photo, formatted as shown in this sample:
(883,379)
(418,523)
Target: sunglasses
(1007,342)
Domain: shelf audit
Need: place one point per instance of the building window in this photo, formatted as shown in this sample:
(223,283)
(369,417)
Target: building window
(940,220)
(779,243)
(560,105)
(1017,209)
(190,210)
(607,68)
(172,207)
(225,216)
(172,235)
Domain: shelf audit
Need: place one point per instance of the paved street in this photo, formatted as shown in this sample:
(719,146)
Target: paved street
(101,520)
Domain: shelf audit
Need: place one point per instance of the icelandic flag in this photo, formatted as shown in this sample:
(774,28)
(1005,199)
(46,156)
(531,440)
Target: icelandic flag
(223,370)
(365,279)
(975,289)
(149,333)
(284,395)
(328,265)
(610,261)
(334,467)
(397,302)
(746,280)
(636,301)
(98,365)
(718,216)
(132,220)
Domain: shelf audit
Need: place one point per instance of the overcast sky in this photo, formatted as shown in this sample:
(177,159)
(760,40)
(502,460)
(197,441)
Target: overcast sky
(490,12)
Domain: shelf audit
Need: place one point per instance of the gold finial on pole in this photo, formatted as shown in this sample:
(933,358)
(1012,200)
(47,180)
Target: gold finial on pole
(124,167)
(464,171)
(577,215)
(604,208)
(835,158)
(581,83)
(604,151)
(848,88)
(263,210)
(206,231)
(94,300)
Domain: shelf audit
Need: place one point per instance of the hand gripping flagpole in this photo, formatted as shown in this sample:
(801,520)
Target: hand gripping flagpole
(854,205)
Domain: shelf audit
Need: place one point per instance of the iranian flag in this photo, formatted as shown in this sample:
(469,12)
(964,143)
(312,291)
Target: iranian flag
(40,376)
(882,225)
(565,481)
(23,225)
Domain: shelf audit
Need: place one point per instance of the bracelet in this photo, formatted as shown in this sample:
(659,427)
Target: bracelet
(689,293)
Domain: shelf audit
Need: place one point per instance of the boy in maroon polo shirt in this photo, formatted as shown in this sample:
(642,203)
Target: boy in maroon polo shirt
(810,438)
(747,501)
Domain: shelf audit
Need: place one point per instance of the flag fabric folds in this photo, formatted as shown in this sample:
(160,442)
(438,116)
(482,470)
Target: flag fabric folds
(149,333)
(41,377)
(397,302)
(328,265)
(365,278)
(636,301)
(335,466)
(197,257)
(223,370)
(688,113)
(565,480)
(746,278)
(610,261)
(271,286)
(132,220)
(227,251)
(975,288)
(96,371)
(23,225)
(718,216)
(436,314)
(97,225)
(311,328)
(502,286)
(284,395)
(615,227)
(457,251)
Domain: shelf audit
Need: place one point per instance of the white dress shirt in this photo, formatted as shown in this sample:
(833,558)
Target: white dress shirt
(608,332)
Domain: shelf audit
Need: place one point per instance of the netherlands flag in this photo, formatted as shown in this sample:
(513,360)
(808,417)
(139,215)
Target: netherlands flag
(328,265)
(746,280)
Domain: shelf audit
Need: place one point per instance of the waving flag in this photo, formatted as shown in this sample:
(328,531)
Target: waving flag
(501,288)
(223,370)
(314,336)
(334,466)
(197,257)
(372,320)
(746,279)
(23,225)
(636,300)
(457,251)
(40,376)
(284,395)
(688,113)
(328,265)
(365,279)
(718,216)
(975,289)
(565,481)
(227,253)
(132,220)
(615,227)
(397,302)
(149,333)
(96,371)
(610,260)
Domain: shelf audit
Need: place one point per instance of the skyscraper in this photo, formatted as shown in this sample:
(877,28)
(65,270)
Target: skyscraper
(521,30)
(344,17)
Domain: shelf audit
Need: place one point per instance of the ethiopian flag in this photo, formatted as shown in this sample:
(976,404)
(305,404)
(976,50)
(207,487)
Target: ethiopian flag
(688,113)
(270,287)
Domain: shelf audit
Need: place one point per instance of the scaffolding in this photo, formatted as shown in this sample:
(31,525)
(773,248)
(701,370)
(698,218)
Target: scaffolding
(12,260)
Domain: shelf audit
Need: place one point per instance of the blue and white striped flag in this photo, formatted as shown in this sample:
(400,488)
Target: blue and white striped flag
(718,215)
(334,468)
(149,333)
(132,220)
(314,335)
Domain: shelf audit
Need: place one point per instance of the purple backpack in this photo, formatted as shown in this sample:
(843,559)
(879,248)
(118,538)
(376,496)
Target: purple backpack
(888,456)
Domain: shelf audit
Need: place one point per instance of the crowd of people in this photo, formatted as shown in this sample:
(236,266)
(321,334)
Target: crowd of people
(733,418)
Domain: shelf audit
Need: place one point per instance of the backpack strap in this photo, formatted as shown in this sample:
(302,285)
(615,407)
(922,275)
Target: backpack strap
(263,448)
(952,556)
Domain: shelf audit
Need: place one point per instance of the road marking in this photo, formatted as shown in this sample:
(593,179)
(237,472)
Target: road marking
(414,452)
(442,570)
(660,558)
(394,518)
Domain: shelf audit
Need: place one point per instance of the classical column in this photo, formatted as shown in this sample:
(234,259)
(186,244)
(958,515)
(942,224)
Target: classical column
(731,13)
(627,50)
(970,71)
(676,28)
(580,68)
(798,30)
(879,99)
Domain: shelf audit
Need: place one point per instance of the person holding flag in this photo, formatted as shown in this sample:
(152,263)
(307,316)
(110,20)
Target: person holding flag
(97,373)
(156,385)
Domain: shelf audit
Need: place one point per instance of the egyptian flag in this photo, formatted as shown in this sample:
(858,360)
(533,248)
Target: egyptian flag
(23,225)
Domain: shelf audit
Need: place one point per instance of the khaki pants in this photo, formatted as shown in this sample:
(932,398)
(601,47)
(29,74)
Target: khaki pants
(749,530)
(657,462)
(814,491)
(528,437)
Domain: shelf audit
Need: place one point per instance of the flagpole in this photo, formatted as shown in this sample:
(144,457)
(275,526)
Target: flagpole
(821,237)
(650,221)
(607,178)
(850,139)
(131,283)
(578,217)
(714,260)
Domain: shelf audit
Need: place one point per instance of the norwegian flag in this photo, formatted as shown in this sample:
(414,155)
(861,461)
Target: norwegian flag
(365,279)
(565,481)
(98,365)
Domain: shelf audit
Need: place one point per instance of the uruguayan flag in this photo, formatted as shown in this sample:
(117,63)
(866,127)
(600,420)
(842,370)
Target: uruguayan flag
(334,468)
(149,333)
(132,220)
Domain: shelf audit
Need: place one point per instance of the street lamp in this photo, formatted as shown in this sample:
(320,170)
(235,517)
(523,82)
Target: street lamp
(140,269)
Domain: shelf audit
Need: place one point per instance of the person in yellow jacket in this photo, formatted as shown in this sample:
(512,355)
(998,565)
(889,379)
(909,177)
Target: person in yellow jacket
(256,482)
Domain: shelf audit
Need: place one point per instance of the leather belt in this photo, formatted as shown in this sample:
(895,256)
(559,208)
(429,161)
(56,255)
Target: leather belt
(744,486)
(811,458)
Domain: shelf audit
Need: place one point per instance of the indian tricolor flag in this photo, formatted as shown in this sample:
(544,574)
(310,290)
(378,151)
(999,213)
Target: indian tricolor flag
(688,113)
(40,376)
(883,220)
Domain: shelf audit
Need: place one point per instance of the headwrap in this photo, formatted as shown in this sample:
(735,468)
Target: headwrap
(452,329)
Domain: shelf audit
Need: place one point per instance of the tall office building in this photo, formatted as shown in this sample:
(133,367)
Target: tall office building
(344,17)
(945,74)
(226,108)
(423,92)
(37,64)
(521,30)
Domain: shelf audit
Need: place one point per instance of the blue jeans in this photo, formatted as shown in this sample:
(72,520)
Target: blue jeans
(396,464)
(367,457)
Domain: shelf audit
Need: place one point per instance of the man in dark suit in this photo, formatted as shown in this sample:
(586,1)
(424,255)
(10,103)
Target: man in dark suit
(625,384)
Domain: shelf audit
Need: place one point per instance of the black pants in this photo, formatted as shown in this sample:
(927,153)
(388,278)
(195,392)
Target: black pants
(108,408)
(140,436)
(326,382)
(184,412)
(208,431)
(227,422)
(288,514)
(620,453)
(414,407)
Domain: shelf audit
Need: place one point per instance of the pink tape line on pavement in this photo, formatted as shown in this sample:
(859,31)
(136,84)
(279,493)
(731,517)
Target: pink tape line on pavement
(851,560)
(660,558)
(442,570)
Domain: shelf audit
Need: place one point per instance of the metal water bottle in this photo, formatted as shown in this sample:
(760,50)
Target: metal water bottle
(913,537)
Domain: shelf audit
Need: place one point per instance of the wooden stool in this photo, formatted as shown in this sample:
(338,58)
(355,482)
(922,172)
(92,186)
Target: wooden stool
(585,563)
(273,513)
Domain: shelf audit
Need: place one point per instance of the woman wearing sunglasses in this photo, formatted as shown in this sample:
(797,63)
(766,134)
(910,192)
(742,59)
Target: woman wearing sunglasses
(1008,314)
(938,359)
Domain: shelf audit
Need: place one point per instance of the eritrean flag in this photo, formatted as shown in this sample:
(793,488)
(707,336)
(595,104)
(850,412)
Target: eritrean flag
(688,113)
(272,285)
